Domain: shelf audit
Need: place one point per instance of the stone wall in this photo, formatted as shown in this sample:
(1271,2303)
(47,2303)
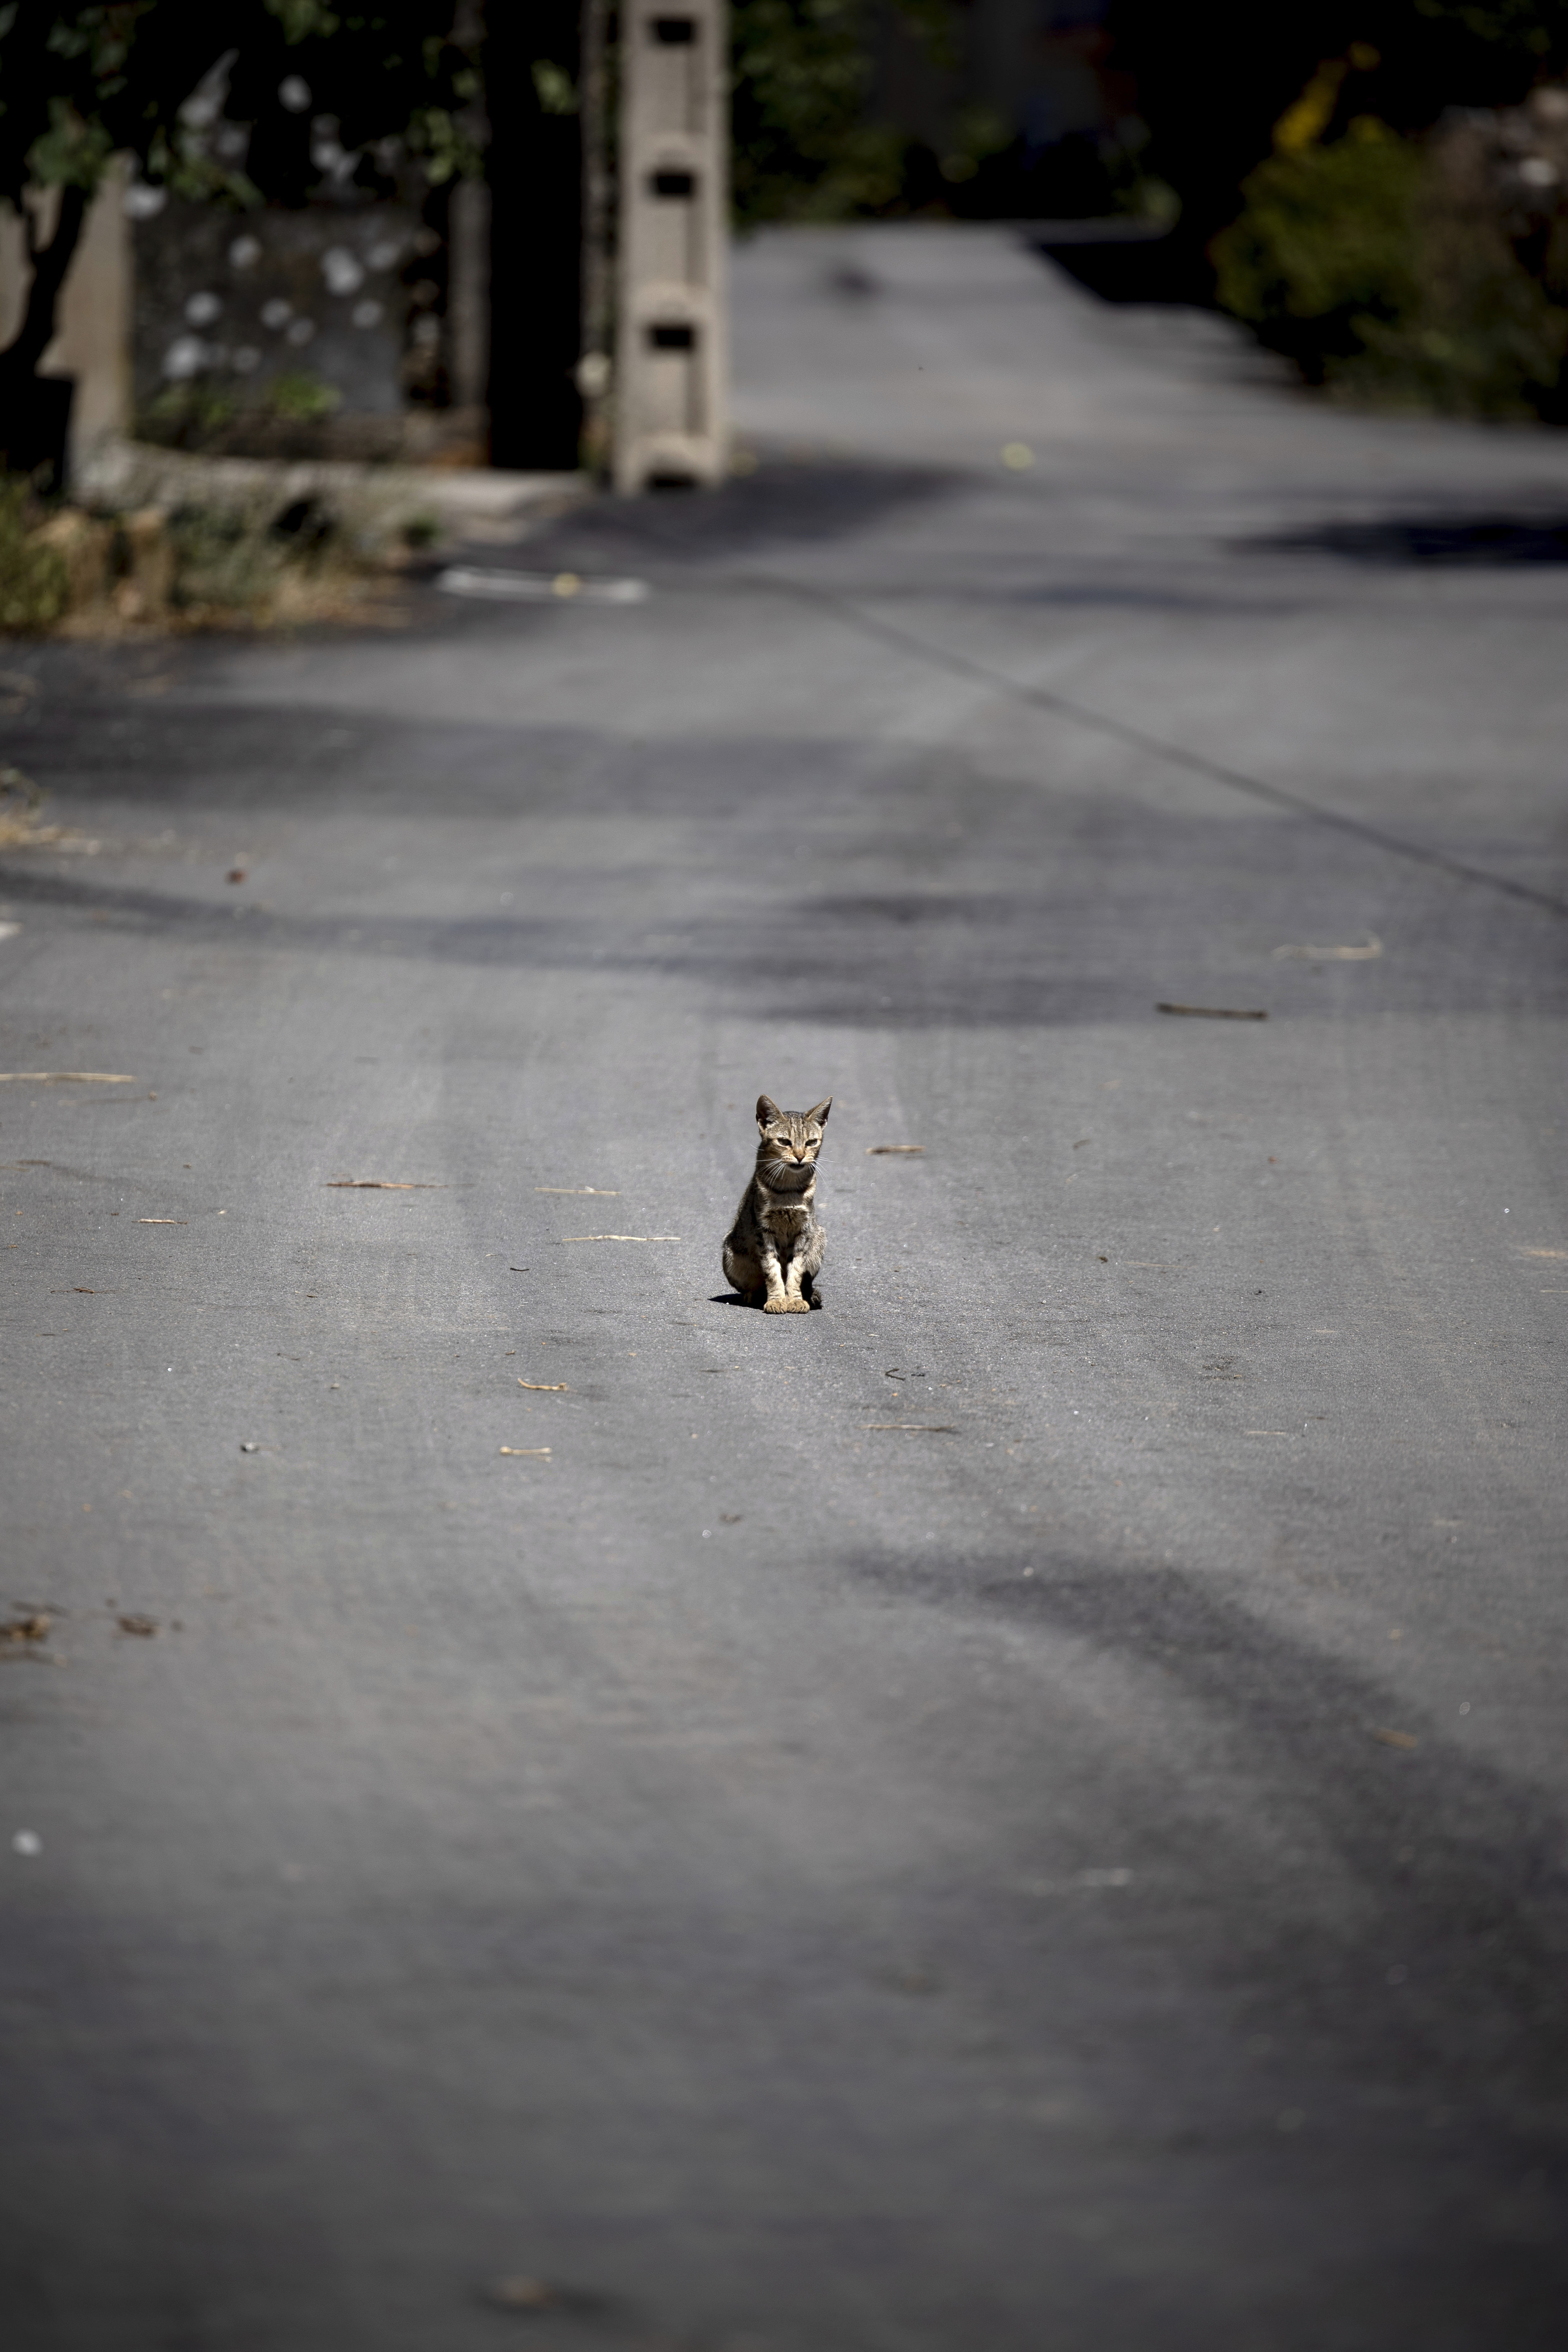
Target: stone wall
(282,320)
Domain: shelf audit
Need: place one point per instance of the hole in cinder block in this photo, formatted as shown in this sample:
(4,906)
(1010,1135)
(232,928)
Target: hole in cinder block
(672,338)
(674,184)
(674,32)
(667,481)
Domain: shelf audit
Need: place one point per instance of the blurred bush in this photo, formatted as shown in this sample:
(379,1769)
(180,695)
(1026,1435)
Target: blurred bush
(1428,272)
(804,142)
(35,579)
(258,563)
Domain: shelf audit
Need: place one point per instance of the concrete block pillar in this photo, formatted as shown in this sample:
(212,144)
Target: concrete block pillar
(671,380)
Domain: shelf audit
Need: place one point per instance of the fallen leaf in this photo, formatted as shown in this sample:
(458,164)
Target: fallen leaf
(522,2294)
(1211,1011)
(375,1184)
(34,1628)
(1397,1739)
(884,1150)
(548,1387)
(142,1627)
(79,1077)
(235,873)
(1543,1252)
(541,2294)
(524,1449)
(600,1191)
(731,1518)
(620,1238)
(1336,955)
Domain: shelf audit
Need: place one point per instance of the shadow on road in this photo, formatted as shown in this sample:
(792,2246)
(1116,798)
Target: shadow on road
(1473,540)
(1439,1985)
(788,500)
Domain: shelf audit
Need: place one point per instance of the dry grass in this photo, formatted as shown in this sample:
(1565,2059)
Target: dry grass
(22,824)
(153,571)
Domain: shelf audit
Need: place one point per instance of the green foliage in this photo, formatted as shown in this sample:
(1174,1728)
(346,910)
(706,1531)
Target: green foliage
(223,561)
(1326,238)
(153,78)
(303,20)
(35,582)
(237,559)
(800,78)
(554,88)
(802,147)
(1382,268)
(1538,27)
(185,415)
(302,398)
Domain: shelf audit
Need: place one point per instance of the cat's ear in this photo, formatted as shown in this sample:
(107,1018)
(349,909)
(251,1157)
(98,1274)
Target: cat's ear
(819,1115)
(768,1111)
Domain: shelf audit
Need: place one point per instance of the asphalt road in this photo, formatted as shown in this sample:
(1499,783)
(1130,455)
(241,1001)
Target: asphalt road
(1021,1813)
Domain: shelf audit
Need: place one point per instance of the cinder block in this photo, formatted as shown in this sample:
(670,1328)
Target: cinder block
(671,366)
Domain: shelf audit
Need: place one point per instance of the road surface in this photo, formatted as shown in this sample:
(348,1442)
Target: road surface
(1024,1811)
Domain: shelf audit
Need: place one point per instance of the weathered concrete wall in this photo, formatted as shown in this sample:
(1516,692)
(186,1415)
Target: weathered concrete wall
(236,300)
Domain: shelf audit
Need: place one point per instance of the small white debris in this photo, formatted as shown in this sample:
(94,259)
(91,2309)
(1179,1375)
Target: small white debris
(27,1841)
(185,357)
(342,271)
(294,93)
(537,587)
(245,253)
(203,309)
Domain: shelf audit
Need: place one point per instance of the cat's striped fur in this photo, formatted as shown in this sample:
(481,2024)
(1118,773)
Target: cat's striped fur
(776,1244)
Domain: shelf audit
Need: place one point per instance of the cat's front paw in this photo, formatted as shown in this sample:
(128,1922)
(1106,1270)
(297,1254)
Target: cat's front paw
(777,1307)
(797,1306)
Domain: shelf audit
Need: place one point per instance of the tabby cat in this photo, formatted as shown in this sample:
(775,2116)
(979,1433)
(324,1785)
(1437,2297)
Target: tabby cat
(775,1243)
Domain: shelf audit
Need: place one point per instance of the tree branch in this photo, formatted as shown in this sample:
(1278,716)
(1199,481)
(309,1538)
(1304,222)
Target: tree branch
(50,263)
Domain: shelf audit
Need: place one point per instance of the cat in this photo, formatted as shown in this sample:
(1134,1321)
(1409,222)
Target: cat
(775,1243)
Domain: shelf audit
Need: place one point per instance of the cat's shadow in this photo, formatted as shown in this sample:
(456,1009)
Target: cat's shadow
(739,1298)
